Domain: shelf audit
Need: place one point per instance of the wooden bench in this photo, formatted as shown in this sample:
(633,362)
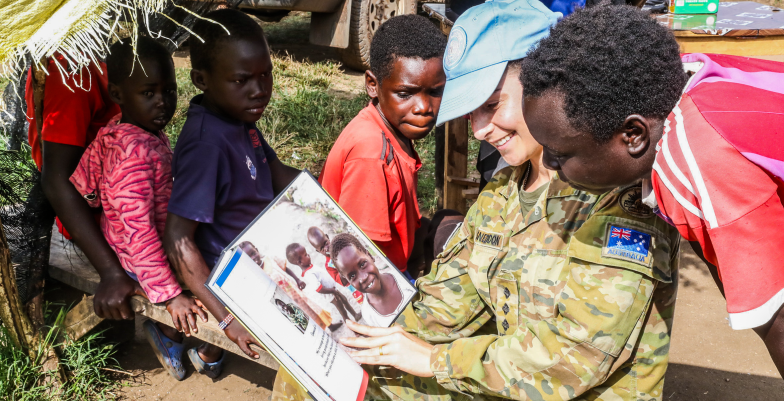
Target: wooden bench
(68,265)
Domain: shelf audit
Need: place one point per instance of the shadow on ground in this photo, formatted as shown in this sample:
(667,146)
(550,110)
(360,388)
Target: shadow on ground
(693,383)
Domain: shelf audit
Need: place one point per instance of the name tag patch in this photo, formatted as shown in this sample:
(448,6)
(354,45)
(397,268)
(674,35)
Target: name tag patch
(489,239)
(628,244)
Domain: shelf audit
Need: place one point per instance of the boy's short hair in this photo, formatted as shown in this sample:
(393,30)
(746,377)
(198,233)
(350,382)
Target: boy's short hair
(290,250)
(121,60)
(240,25)
(609,62)
(344,240)
(410,36)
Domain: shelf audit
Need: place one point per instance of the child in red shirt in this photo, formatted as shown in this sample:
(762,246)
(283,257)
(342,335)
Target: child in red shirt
(371,170)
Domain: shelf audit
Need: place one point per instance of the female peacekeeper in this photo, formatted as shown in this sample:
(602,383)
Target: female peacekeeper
(571,299)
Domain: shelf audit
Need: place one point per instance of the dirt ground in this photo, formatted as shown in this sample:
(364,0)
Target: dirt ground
(709,360)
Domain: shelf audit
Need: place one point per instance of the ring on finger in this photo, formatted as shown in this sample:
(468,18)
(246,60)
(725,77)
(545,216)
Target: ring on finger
(381,351)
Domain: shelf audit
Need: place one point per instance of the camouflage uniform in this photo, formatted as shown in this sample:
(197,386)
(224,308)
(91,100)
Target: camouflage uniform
(546,306)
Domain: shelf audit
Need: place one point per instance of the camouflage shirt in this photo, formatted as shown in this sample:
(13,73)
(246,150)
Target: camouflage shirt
(573,300)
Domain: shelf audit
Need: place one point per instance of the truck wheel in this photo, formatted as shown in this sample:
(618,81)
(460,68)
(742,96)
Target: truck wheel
(366,17)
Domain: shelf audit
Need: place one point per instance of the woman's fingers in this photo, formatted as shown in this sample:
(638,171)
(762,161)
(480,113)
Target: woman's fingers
(373,331)
(364,342)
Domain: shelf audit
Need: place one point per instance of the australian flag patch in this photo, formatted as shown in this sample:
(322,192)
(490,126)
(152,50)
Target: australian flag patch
(627,244)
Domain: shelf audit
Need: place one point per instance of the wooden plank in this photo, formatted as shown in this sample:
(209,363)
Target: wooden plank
(68,265)
(455,163)
(468,182)
(81,319)
(209,332)
(471,193)
(729,33)
(736,46)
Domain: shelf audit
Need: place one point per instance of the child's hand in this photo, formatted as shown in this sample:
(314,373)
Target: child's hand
(183,309)
(301,284)
(237,334)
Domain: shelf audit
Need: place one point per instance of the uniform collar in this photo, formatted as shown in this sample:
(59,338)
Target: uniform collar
(511,193)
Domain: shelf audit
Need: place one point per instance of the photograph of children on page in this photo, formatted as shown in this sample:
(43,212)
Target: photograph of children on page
(326,269)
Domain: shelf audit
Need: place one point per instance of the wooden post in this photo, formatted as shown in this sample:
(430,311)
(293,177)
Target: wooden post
(455,163)
(12,313)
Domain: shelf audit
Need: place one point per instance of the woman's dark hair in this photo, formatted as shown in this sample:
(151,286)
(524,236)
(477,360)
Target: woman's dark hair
(410,36)
(343,240)
(239,24)
(121,60)
(608,62)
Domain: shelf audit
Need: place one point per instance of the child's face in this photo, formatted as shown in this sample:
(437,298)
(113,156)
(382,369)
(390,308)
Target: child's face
(252,253)
(301,258)
(411,95)
(148,97)
(320,241)
(582,161)
(239,82)
(359,269)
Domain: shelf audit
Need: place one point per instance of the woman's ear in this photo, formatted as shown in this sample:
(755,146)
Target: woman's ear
(199,79)
(371,84)
(115,94)
(636,132)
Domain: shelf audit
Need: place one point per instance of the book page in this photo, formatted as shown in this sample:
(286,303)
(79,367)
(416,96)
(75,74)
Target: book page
(291,241)
(263,307)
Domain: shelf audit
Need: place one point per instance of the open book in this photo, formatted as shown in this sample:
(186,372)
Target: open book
(280,280)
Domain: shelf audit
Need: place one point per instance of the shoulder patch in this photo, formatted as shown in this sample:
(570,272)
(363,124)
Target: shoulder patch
(631,202)
(489,239)
(628,244)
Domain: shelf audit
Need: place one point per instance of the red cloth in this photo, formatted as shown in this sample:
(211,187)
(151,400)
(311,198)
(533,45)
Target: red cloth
(375,182)
(70,116)
(717,180)
(126,171)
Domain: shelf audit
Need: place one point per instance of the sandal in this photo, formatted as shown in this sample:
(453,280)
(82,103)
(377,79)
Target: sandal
(168,351)
(212,369)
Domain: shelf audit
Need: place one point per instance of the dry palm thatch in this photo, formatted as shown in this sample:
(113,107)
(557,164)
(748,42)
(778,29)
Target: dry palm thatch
(79,30)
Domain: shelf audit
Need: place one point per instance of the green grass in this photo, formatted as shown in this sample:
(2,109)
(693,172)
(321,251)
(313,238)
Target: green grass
(85,363)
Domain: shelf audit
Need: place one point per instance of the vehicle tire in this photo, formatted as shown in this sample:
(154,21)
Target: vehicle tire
(366,17)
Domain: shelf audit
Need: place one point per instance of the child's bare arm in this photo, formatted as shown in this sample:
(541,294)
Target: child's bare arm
(282,175)
(300,283)
(116,288)
(186,260)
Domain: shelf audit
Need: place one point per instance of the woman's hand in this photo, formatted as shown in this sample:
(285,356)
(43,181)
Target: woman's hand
(390,346)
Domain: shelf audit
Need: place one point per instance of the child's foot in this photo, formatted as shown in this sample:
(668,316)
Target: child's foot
(171,332)
(168,351)
(207,361)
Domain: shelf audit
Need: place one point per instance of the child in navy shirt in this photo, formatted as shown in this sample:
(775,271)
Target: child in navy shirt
(224,171)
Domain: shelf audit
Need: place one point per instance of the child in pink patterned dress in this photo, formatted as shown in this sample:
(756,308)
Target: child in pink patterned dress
(126,171)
